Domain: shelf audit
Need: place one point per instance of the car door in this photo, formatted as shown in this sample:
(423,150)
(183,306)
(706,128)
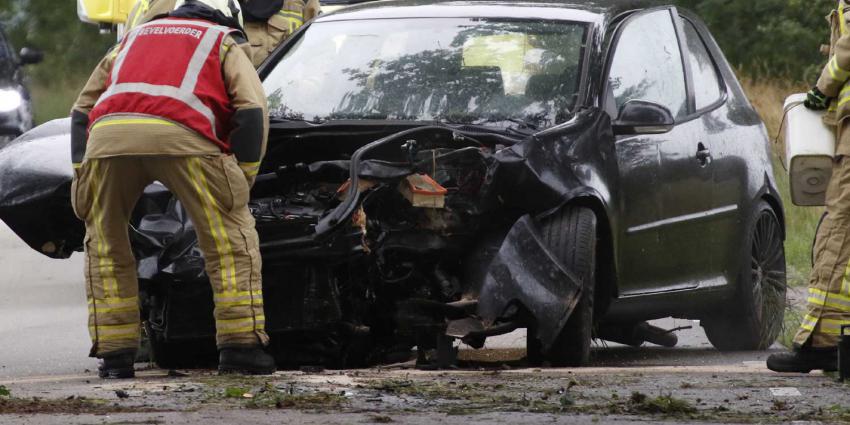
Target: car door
(661,189)
(729,186)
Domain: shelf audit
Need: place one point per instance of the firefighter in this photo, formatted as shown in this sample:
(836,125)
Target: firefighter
(145,10)
(174,102)
(815,345)
(267,22)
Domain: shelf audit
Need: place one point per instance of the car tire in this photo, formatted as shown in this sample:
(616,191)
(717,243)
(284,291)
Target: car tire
(754,318)
(181,354)
(571,235)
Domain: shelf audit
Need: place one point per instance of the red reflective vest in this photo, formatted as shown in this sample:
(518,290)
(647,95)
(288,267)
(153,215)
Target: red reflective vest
(171,68)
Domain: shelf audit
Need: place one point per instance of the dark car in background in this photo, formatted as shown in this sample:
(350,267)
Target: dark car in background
(16,116)
(454,171)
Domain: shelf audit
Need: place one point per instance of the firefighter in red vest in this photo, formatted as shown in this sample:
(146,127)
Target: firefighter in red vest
(176,102)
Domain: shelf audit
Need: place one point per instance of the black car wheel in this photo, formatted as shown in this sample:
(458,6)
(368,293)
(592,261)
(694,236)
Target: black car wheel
(180,354)
(571,235)
(754,318)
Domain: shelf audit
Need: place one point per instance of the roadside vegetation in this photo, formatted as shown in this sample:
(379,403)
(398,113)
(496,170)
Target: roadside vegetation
(773,43)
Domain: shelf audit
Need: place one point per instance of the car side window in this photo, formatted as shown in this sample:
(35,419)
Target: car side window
(647,64)
(706,81)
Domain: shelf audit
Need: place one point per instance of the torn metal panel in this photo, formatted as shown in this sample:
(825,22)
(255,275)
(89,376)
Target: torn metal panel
(527,273)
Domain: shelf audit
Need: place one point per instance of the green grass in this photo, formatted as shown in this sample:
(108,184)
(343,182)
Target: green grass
(768,96)
(801,224)
(54,100)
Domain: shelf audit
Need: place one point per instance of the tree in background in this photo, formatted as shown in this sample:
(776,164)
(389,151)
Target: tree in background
(762,38)
(71,49)
(773,38)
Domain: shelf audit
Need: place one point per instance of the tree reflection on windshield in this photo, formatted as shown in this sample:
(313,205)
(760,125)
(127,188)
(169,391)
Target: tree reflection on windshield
(453,70)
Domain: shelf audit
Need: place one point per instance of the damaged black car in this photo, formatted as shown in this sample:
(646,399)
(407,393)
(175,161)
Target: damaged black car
(443,172)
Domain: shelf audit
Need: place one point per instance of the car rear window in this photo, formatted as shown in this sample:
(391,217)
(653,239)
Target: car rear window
(477,71)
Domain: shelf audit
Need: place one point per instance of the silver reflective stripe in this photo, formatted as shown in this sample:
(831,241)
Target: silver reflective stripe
(172,92)
(186,92)
(190,80)
(122,54)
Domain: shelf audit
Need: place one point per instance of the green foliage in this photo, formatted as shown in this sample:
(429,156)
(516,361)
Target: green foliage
(769,38)
(71,50)
(4,392)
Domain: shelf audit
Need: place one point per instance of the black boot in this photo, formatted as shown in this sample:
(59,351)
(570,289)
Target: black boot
(805,360)
(117,366)
(245,361)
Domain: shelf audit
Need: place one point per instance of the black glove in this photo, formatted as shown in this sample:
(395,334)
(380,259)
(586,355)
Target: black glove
(815,100)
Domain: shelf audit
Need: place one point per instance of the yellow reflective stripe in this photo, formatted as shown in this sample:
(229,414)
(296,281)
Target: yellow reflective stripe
(837,301)
(809,323)
(238,298)
(223,52)
(110,283)
(144,6)
(113,305)
(831,326)
(107,332)
(249,302)
(826,326)
(144,121)
(228,248)
(836,72)
(105,310)
(76,165)
(230,326)
(841,23)
(295,19)
(222,243)
(250,168)
(115,301)
(291,14)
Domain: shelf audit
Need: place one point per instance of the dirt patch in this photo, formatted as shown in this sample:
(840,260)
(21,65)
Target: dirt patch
(71,405)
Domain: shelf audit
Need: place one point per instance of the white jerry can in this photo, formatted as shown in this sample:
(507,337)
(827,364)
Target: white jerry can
(809,150)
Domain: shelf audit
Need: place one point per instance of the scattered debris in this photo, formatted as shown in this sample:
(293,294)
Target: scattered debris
(381,419)
(71,405)
(665,404)
(176,374)
(234,392)
(781,405)
(122,394)
(785,392)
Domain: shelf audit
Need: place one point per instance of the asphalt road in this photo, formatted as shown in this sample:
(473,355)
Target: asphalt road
(43,362)
(43,323)
(42,312)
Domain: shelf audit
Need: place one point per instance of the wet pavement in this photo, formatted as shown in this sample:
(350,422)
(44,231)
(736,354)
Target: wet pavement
(44,365)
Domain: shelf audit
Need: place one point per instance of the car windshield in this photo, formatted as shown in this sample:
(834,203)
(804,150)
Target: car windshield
(457,70)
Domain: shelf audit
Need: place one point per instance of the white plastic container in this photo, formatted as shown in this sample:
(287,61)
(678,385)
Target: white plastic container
(809,150)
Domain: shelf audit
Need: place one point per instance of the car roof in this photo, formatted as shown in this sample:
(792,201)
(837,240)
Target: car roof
(587,11)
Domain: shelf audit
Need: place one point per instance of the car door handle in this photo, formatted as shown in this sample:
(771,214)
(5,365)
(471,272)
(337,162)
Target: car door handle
(703,155)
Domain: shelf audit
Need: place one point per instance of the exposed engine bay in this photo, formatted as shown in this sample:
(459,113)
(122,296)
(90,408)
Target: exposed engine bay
(363,258)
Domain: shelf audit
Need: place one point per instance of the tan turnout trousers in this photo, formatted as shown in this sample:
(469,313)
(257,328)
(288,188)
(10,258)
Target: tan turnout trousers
(829,284)
(214,192)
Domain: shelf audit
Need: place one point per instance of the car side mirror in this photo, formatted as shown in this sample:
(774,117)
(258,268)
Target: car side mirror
(30,56)
(642,117)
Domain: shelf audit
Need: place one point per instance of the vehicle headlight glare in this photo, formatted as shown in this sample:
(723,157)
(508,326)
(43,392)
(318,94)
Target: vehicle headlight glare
(10,100)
